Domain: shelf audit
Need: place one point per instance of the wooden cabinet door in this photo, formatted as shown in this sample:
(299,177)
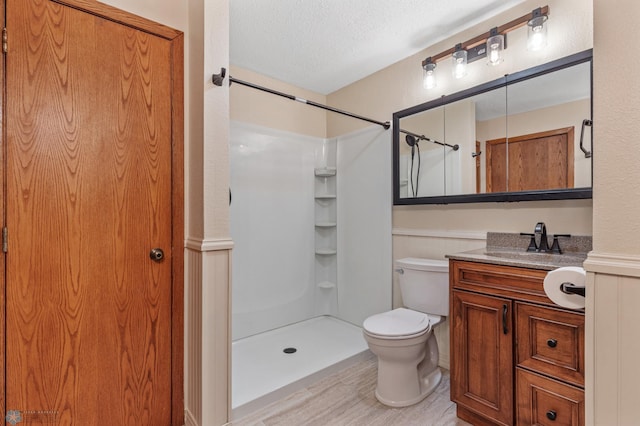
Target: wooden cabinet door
(90,116)
(482,355)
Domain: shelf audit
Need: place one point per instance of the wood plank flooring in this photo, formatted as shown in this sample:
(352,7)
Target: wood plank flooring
(347,398)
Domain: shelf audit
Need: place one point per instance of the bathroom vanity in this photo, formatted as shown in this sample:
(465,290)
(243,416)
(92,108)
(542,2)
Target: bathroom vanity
(516,357)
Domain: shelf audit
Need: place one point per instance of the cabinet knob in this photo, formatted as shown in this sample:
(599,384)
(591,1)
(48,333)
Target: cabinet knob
(552,343)
(551,415)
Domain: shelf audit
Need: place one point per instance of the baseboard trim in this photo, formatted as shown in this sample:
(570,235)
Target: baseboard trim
(613,264)
(198,244)
(435,233)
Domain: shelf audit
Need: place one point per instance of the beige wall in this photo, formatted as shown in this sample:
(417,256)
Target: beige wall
(253,106)
(613,284)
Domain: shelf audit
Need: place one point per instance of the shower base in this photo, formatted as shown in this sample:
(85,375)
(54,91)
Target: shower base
(263,373)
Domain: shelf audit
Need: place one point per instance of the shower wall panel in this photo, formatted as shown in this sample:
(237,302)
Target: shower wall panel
(364,224)
(272,226)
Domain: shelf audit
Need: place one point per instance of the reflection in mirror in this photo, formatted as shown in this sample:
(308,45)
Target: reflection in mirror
(466,124)
(421,162)
(517,135)
(545,116)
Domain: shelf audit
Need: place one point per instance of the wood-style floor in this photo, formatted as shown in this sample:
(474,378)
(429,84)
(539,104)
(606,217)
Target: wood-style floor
(347,398)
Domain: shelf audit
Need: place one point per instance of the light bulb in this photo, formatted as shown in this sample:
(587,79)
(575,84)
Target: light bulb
(429,78)
(495,46)
(537,33)
(459,68)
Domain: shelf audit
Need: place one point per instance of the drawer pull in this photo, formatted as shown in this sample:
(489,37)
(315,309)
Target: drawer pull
(505,309)
(551,415)
(552,343)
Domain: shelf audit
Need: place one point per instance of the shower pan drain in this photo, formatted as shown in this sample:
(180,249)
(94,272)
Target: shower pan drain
(289,350)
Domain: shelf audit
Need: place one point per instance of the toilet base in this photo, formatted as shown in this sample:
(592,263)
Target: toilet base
(427,386)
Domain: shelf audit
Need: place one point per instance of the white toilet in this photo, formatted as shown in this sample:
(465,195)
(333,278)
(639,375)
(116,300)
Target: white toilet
(403,340)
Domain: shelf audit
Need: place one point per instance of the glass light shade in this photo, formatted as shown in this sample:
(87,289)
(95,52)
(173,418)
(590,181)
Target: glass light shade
(495,48)
(429,78)
(537,33)
(459,63)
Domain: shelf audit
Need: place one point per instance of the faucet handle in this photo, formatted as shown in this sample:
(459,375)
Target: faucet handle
(555,247)
(532,243)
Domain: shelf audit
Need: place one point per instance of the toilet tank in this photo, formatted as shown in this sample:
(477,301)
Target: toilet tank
(424,284)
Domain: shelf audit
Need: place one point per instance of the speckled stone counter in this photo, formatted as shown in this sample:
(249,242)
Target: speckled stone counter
(511,250)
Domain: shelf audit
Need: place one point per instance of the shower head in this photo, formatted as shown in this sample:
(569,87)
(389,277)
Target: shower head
(411,140)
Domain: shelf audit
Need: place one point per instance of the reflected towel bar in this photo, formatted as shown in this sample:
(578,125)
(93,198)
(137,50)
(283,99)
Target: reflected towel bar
(585,122)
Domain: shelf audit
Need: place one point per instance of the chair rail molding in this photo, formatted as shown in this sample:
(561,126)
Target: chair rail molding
(213,244)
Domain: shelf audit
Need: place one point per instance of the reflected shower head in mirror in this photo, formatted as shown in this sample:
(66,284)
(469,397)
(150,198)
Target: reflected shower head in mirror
(412,141)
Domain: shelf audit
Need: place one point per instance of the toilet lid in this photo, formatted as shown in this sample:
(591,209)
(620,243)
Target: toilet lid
(399,322)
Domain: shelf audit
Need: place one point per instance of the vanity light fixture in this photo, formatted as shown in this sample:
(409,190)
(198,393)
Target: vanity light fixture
(537,31)
(459,62)
(490,45)
(429,78)
(495,47)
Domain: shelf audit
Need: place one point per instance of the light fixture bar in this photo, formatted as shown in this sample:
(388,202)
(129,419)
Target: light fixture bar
(482,38)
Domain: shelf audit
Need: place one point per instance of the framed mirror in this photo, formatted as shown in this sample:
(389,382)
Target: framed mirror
(526,136)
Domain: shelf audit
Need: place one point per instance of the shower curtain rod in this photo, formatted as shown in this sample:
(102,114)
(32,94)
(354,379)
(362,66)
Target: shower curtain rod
(386,124)
(423,137)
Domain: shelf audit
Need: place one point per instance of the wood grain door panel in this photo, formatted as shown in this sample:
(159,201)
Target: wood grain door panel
(89,163)
(537,161)
(482,355)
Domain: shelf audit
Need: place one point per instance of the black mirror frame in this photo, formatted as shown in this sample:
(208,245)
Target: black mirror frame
(554,194)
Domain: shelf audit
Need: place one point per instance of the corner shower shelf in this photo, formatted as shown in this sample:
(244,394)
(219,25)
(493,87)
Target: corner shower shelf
(326,252)
(325,171)
(326,224)
(326,285)
(325,197)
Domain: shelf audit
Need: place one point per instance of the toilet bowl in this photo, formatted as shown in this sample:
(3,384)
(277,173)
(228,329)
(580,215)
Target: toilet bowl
(403,339)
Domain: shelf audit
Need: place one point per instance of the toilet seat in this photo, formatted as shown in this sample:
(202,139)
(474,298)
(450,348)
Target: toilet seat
(399,323)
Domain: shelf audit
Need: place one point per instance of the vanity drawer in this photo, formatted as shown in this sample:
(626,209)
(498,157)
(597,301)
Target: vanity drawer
(547,402)
(550,341)
(506,281)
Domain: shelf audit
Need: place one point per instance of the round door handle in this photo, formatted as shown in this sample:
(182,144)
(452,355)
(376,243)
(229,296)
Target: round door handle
(156,254)
(552,343)
(552,415)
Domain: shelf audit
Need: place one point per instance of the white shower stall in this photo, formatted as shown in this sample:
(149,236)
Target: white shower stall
(311,225)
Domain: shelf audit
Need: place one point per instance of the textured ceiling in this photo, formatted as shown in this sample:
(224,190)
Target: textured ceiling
(324,45)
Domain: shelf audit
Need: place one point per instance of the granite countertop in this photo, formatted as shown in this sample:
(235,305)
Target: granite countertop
(511,250)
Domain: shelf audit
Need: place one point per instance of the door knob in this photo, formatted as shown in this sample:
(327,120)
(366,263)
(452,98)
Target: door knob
(156,254)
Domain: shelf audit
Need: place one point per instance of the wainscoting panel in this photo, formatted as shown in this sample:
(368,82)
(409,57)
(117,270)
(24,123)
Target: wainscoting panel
(612,339)
(207,334)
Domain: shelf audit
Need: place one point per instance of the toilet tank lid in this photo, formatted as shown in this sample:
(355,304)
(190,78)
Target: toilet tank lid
(435,265)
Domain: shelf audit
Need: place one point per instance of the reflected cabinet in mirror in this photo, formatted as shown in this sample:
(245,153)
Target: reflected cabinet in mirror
(527,136)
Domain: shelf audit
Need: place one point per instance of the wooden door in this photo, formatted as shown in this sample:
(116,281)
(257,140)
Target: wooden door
(482,355)
(536,161)
(93,171)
